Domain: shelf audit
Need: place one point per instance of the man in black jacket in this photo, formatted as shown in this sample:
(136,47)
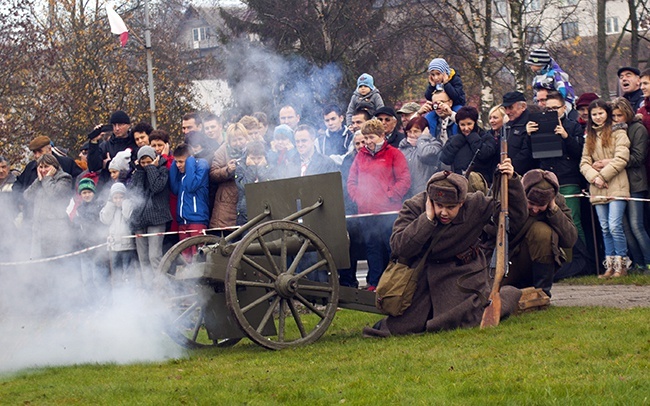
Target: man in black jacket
(519,148)
(630,80)
(101,154)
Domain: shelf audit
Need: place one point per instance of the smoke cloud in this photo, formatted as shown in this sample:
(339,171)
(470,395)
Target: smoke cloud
(49,316)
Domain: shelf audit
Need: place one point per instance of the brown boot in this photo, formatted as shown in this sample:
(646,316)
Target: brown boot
(621,265)
(609,268)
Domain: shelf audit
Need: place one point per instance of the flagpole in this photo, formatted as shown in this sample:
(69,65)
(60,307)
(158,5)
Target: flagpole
(147,39)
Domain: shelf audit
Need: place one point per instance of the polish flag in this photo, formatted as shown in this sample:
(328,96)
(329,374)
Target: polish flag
(117,24)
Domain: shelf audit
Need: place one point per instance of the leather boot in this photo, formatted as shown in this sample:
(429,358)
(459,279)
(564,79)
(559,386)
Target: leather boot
(621,264)
(609,268)
(543,276)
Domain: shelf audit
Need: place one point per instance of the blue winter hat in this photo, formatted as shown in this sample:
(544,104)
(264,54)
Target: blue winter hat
(285,131)
(366,80)
(440,65)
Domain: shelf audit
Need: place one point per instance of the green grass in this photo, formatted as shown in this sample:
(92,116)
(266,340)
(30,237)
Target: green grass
(560,356)
(632,279)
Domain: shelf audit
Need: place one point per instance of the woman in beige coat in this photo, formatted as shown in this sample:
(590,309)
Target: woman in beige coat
(222,172)
(604,158)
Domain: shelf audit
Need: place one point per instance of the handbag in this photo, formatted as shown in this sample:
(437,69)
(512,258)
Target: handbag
(396,287)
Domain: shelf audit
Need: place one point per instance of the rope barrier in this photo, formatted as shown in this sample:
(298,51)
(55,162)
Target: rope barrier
(586,194)
(233,228)
(41,260)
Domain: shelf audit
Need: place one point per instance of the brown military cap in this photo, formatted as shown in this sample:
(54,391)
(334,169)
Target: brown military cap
(39,142)
(540,186)
(447,188)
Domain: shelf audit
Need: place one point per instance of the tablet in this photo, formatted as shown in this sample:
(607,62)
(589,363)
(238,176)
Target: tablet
(544,142)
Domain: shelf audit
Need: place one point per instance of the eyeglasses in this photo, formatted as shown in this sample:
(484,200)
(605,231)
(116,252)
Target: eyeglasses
(554,108)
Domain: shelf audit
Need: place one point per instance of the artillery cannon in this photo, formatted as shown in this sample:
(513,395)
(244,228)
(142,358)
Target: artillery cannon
(273,280)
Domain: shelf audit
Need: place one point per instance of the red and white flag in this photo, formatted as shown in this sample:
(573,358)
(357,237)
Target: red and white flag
(117,24)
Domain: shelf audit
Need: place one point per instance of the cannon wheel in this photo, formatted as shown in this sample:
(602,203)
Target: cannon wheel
(286,304)
(185,298)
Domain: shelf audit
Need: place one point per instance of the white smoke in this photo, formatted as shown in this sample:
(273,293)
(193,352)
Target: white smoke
(49,317)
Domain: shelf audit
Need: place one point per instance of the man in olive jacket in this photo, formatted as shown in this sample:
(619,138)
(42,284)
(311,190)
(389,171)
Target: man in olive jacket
(536,248)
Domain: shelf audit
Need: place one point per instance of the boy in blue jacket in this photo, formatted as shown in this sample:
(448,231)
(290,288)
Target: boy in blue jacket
(188,179)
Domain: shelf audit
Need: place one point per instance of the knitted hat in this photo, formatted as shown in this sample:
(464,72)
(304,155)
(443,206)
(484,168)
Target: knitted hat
(120,117)
(540,186)
(117,187)
(409,108)
(283,131)
(39,142)
(86,184)
(440,65)
(447,188)
(538,57)
(366,80)
(146,150)
(121,161)
(585,99)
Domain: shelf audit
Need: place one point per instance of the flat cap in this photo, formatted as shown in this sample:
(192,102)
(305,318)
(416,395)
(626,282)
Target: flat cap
(39,142)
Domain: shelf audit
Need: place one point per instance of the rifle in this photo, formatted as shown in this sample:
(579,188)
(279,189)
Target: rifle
(492,313)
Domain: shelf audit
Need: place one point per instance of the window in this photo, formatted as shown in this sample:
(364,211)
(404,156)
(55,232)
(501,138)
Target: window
(532,5)
(500,8)
(199,34)
(534,35)
(570,29)
(612,25)
(503,40)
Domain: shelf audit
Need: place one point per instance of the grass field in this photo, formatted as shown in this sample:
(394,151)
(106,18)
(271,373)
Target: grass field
(561,356)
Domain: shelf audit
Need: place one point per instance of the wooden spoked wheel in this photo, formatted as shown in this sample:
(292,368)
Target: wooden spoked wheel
(282,286)
(187,298)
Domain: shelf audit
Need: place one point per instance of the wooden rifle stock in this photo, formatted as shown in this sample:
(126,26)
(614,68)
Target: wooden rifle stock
(492,313)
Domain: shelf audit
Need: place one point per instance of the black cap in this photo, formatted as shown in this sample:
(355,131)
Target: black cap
(120,117)
(85,146)
(386,110)
(628,68)
(511,98)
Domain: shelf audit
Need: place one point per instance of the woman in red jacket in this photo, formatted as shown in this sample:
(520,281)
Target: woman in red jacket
(378,182)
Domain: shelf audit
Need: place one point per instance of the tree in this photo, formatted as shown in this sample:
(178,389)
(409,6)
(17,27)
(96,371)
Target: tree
(77,74)
(315,37)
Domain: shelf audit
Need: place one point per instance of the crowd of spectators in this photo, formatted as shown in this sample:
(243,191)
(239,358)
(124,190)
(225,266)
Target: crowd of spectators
(130,180)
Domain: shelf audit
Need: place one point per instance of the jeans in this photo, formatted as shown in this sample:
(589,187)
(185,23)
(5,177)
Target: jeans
(610,217)
(635,232)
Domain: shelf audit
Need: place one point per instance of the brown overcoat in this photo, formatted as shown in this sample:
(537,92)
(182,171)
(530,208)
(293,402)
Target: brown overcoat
(224,213)
(438,303)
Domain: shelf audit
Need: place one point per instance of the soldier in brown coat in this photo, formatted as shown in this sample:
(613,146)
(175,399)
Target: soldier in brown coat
(453,219)
(536,248)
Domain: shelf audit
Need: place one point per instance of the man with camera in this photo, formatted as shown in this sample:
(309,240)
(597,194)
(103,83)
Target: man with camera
(440,116)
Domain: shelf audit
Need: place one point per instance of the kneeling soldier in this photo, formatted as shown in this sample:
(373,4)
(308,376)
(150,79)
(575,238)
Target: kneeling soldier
(536,250)
(451,219)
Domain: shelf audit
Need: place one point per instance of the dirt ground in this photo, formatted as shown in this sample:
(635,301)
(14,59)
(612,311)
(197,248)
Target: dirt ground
(620,296)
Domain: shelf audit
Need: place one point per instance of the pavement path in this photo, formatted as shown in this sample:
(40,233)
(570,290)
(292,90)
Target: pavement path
(619,296)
